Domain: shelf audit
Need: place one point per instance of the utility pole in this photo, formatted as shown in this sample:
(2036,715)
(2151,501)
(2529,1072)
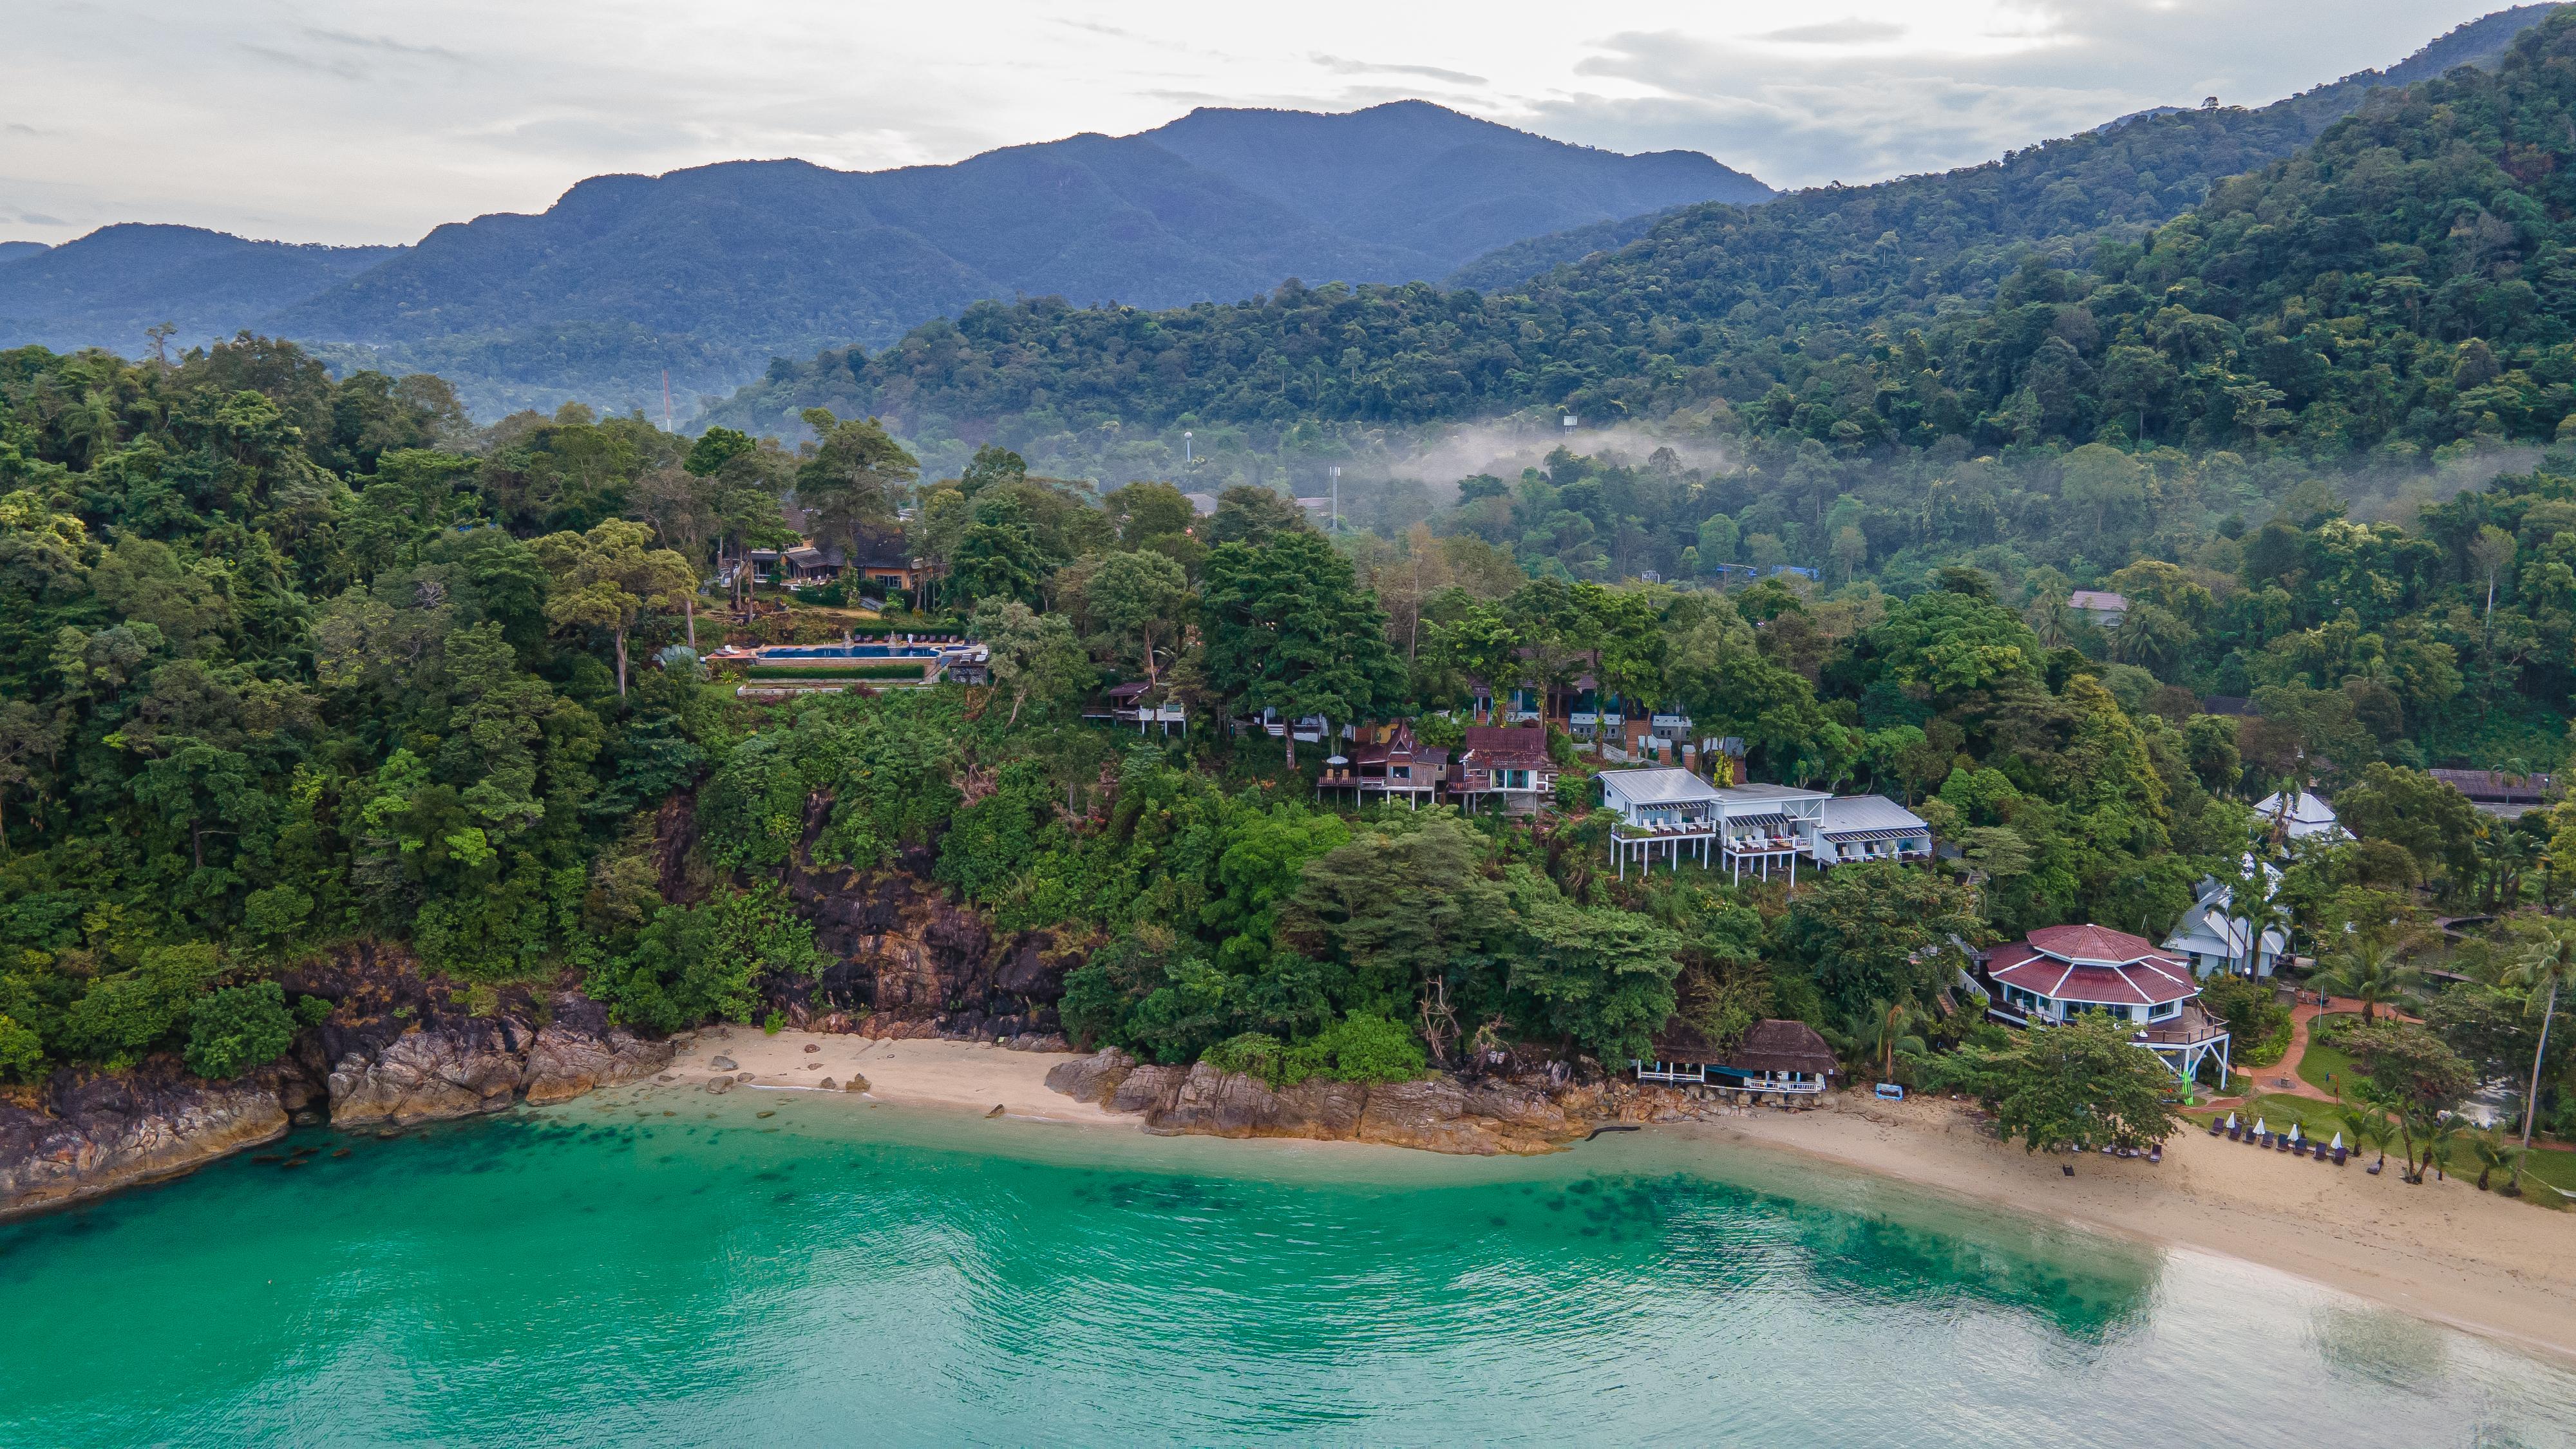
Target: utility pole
(1337,500)
(666,400)
(1189,454)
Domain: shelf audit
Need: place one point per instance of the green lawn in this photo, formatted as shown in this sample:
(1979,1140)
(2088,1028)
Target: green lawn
(2318,1062)
(2323,1120)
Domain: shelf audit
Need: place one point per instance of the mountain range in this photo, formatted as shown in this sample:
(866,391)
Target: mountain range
(1712,300)
(709,272)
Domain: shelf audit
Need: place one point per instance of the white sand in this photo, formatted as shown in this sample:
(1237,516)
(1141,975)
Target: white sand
(925,1073)
(2442,1250)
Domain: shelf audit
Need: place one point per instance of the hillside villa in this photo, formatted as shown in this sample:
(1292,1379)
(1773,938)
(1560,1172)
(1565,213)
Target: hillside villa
(2210,940)
(1669,813)
(1386,762)
(2060,972)
(1504,764)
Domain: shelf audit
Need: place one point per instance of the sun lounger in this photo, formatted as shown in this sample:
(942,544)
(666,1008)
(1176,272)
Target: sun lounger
(2340,1154)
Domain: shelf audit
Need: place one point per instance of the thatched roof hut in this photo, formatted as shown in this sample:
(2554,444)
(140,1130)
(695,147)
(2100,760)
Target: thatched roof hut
(1782,1047)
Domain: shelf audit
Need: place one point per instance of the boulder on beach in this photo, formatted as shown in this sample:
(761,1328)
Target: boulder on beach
(720,1085)
(722,1064)
(856,1083)
(829,1085)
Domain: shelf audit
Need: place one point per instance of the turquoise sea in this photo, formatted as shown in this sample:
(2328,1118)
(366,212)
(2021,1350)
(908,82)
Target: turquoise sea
(651,1267)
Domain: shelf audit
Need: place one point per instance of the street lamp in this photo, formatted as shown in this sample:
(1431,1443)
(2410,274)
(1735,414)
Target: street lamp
(1337,500)
(1189,456)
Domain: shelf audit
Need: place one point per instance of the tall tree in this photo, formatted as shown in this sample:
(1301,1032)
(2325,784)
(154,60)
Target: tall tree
(2545,964)
(1288,628)
(856,480)
(1139,596)
(608,577)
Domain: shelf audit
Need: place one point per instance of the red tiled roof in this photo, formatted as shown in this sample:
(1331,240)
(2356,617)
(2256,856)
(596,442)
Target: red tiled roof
(1515,747)
(2043,966)
(2091,944)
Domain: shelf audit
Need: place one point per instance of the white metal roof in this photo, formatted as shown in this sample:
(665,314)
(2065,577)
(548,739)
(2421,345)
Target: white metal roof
(1752,795)
(1663,786)
(2305,809)
(1867,812)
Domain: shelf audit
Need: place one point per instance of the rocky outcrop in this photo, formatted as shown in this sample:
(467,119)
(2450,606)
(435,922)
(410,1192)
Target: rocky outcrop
(92,1133)
(1437,1114)
(398,1048)
(910,962)
(460,1070)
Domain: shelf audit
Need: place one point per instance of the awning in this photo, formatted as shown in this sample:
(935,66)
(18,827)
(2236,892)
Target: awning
(1773,823)
(1864,837)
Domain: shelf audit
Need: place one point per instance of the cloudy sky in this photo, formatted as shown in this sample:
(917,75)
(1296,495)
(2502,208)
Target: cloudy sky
(367,121)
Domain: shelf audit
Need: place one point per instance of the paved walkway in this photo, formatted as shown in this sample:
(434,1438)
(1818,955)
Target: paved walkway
(2283,1076)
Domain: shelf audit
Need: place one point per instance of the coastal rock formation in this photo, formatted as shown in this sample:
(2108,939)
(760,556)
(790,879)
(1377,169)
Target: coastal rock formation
(579,1051)
(96,1132)
(1438,1114)
(429,1076)
(398,1048)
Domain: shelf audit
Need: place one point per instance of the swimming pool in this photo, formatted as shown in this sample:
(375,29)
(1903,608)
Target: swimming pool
(850,651)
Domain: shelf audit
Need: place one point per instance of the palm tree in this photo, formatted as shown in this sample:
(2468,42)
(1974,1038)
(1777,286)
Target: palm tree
(2254,902)
(2540,968)
(2369,1131)
(2369,971)
(2439,1133)
(2494,1155)
(1891,1029)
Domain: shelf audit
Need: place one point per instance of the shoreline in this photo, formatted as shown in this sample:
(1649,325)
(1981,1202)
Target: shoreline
(2442,1251)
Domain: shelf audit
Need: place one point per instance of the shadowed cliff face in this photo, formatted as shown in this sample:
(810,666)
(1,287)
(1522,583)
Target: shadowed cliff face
(910,961)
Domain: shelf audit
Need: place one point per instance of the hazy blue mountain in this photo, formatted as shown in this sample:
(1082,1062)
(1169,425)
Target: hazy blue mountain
(711,271)
(1443,186)
(105,288)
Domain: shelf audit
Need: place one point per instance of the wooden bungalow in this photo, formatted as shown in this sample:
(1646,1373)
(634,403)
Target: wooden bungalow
(1387,762)
(1505,763)
(1786,1057)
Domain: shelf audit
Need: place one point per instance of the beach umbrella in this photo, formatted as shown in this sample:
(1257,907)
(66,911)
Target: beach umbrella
(2258,1126)
(2337,1144)
(2231,1121)
(2294,1131)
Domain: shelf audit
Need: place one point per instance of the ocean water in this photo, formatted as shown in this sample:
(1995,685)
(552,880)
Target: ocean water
(652,1267)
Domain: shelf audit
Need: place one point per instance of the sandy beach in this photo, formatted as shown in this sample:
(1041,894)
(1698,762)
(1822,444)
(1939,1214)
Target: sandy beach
(2442,1251)
(923,1073)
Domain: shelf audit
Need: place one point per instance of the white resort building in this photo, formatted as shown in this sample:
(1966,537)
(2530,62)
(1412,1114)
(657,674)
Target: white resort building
(1867,827)
(2210,940)
(1670,813)
(2061,972)
(1673,814)
(2300,817)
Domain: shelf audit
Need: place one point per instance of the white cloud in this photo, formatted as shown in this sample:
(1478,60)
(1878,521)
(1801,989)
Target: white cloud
(374,120)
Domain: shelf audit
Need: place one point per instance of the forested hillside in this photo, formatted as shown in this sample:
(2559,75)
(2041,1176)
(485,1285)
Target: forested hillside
(106,289)
(1715,302)
(289,663)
